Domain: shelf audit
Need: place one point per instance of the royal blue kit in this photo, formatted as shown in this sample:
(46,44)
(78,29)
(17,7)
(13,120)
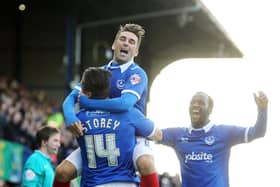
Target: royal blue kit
(108,143)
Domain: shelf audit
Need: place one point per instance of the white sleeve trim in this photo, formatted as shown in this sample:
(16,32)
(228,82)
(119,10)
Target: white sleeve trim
(152,133)
(133,92)
(78,88)
(246,135)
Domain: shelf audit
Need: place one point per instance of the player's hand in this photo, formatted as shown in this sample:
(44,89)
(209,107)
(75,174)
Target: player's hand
(76,128)
(261,100)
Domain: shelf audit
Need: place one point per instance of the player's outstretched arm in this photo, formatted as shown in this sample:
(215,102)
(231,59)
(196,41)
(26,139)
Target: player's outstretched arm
(259,129)
(68,106)
(119,104)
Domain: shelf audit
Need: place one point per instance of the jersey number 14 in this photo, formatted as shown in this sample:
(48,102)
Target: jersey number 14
(95,147)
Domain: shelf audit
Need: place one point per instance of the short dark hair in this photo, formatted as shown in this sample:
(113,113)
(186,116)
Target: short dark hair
(136,29)
(96,81)
(44,133)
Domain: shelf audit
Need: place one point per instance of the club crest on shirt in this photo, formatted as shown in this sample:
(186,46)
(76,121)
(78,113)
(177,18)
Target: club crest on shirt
(29,175)
(120,84)
(209,140)
(135,79)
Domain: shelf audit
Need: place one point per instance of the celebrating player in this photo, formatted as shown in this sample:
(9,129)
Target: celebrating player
(128,89)
(204,149)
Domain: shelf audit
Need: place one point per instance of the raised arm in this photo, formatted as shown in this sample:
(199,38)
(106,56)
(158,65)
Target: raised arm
(259,129)
(69,107)
(72,122)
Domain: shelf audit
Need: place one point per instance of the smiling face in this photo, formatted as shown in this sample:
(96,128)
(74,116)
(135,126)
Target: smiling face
(200,109)
(125,47)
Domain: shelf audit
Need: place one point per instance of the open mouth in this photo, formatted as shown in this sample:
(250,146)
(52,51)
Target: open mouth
(195,113)
(125,52)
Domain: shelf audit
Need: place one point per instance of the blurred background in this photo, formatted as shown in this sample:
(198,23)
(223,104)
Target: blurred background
(45,45)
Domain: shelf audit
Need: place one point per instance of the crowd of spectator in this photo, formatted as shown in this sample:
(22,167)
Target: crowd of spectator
(23,112)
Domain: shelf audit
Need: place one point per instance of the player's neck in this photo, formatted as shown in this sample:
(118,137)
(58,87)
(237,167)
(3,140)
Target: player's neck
(45,151)
(200,125)
(121,62)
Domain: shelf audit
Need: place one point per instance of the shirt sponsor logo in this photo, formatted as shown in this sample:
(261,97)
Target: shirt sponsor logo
(120,84)
(135,79)
(202,156)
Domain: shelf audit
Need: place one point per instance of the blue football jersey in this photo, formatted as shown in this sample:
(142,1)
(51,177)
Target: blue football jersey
(126,78)
(129,78)
(204,154)
(108,143)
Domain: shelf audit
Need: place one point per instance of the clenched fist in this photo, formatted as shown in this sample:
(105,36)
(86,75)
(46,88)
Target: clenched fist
(261,100)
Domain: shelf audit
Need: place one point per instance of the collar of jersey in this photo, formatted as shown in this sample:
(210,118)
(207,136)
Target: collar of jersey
(206,128)
(43,154)
(123,67)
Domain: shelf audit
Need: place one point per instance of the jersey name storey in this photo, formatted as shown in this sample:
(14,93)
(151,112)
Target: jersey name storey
(107,123)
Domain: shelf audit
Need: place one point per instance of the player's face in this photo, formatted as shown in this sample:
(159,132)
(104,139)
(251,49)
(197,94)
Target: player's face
(53,143)
(125,47)
(199,110)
